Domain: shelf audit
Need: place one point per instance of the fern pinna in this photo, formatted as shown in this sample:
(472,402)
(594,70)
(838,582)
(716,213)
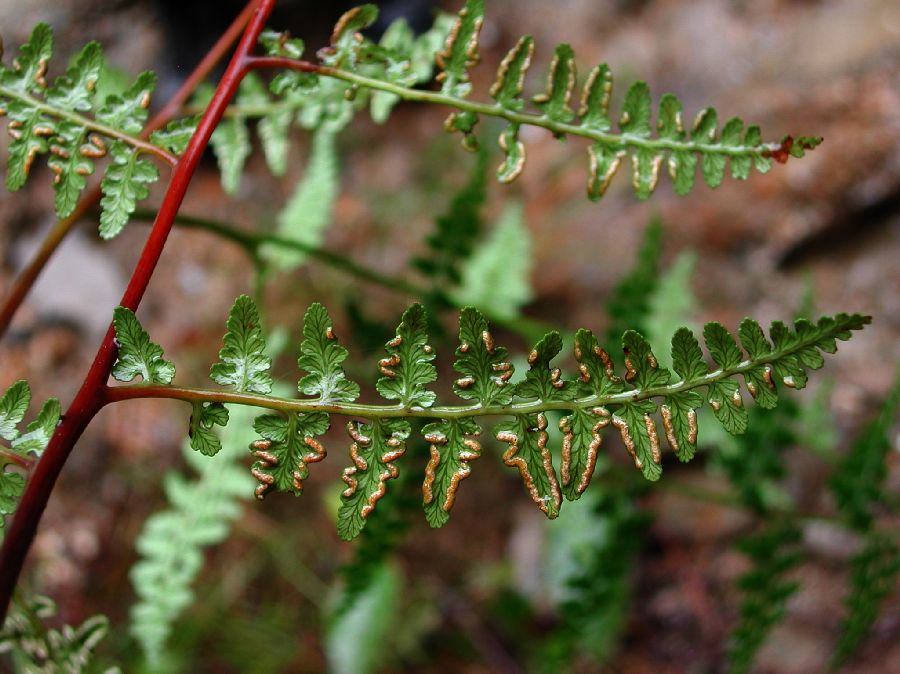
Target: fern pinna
(593,400)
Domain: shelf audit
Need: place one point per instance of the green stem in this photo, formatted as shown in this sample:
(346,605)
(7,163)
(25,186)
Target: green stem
(513,116)
(253,243)
(90,124)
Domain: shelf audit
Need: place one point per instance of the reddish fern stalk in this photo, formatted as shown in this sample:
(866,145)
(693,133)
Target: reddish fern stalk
(91,397)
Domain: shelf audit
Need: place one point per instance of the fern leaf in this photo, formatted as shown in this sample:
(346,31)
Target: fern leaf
(484,366)
(309,210)
(13,406)
(171,542)
(507,88)
(176,135)
(581,429)
(375,447)
(204,416)
(58,124)
(70,166)
(496,278)
(30,67)
(128,111)
(126,182)
(231,144)
(542,382)
(594,108)
(560,83)
(74,90)
(38,433)
(527,438)
(408,369)
(321,356)
(243,364)
(287,447)
(453,447)
(12,485)
(137,354)
(29,129)
(461,50)
(38,648)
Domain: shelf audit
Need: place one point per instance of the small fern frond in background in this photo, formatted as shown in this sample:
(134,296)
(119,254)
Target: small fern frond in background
(497,276)
(52,120)
(765,589)
(172,541)
(858,488)
(308,211)
(36,649)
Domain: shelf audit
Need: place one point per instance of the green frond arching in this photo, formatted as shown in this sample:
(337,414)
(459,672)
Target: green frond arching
(65,122)
(353,72)
(646,404)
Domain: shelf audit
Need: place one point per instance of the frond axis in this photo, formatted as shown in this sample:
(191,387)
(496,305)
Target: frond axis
(612,140)
(91,125)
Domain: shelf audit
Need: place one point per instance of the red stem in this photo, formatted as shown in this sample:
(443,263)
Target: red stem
(26,278)
(91,396)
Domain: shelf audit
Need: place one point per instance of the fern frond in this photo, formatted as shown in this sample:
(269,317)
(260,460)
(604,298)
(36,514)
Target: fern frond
(875,570)
(308,211)
(597,398)
(171,543)
(766,591)
(51,119)
(858,481)
(497,276)
(361,65)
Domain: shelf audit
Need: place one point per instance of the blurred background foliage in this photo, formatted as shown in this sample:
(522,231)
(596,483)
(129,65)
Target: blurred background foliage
(771,548)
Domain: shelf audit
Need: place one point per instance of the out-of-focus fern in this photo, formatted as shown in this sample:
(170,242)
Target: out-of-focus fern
(858,482)
(593,613)
(309,210)
(172,541)
(457,230)
(53,120)
(858,488)
(765,588)
(628,306)
(36,649)
(496,278)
